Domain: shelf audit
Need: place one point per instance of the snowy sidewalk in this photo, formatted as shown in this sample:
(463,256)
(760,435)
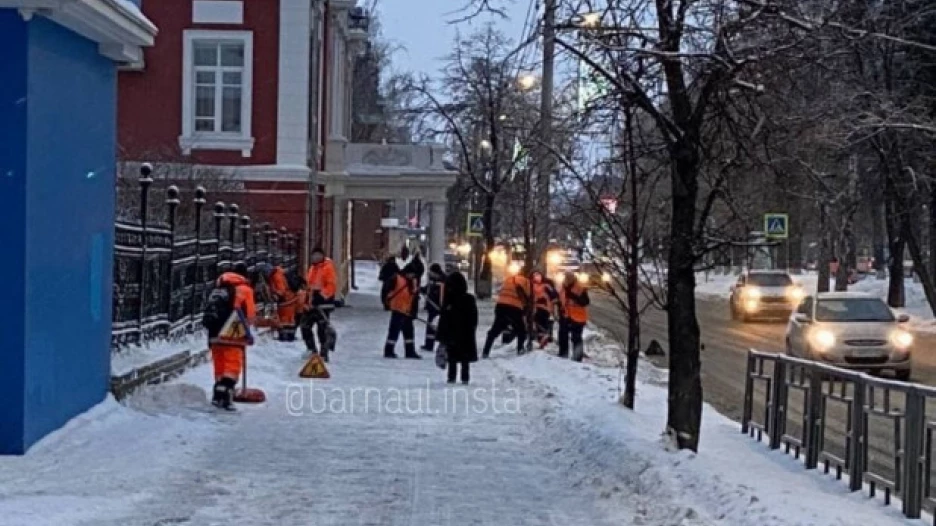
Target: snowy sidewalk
(381,443)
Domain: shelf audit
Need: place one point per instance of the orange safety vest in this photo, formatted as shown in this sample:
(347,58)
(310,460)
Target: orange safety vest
(401,299)
(321,278)
(571,309)
(541,296)
(508,293)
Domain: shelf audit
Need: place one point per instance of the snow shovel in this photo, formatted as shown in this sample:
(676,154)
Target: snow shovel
(248,395)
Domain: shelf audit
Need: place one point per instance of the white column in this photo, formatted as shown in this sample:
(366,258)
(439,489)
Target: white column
(336,97)
(339,206)
(292,123)
(437,233)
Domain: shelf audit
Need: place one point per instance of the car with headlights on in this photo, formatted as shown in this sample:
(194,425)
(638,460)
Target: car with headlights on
(851,330)
(764,294)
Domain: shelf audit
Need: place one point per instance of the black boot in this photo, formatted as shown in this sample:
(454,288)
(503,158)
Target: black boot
(389,350)
(488,343)
(224,394)
(411,351)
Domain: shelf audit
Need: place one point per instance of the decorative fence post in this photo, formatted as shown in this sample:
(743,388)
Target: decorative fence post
(146,171)
(172,201)
(233,210)
(219,208)
(199,203)
(245,237)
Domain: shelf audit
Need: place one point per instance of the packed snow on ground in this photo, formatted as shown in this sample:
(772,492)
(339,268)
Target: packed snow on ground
(534,441)
(733,480)
(715,285)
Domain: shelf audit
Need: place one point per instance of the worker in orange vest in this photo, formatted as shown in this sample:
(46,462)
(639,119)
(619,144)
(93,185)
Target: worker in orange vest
(402,300)
(513,302)
(544,299)
(229,312)
(287,292)
(322,288)
(573,315)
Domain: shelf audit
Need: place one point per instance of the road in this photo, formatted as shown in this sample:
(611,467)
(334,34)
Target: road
(724,364)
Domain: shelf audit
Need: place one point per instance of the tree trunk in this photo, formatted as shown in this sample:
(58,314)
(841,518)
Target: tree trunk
(825,252)
(633,278)
(684,415)
(484,285)
(895,288)
(877,237)
(932,232)
(917,255)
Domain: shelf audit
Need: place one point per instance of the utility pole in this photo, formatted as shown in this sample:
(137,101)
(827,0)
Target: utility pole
(545,159)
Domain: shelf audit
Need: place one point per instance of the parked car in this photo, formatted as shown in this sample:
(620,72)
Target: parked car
(851,330)
(764,294)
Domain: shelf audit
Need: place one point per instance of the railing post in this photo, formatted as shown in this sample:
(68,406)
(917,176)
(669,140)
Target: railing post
(245,236)
(812,423)
(777,403)
(199,203)
(748,394)
(856,466)
(219,209)
(233,210)
(914,425)
(172,201)
(146,179)
(267,242)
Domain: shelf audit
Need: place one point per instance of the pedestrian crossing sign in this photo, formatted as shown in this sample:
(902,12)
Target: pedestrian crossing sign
(777,226)
(475,224)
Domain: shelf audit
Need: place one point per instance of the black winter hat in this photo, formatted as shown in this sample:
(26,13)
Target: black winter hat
(436,268)
(241,268)
(455,285)
(318,250)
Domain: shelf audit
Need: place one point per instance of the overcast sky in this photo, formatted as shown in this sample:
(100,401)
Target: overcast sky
(420,28)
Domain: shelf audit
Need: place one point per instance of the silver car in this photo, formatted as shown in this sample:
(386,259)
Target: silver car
(851,330)
(764,294)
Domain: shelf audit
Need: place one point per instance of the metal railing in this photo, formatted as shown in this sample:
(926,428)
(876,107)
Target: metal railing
(163,272)
(877,431)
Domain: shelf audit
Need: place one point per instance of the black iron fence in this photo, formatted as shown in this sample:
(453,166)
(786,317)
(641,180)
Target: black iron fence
(878,432)
(164,271)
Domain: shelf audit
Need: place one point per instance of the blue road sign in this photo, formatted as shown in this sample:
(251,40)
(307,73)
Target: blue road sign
(475,224)
(777,226)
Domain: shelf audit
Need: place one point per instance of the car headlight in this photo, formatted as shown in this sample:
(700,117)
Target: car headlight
(795,294)
(901,339)
(514,268)
(554,258)
(823,339)
(753,293)
(582,277)
(751,305)
(606,277)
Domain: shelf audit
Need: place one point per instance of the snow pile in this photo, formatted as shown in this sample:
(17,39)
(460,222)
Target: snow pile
(732,481)
(133,357)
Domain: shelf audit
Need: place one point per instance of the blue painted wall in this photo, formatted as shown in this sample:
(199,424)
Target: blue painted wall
(68,204)
(13,39)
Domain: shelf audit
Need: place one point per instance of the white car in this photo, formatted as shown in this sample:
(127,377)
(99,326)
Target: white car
(851,330)
(764,294)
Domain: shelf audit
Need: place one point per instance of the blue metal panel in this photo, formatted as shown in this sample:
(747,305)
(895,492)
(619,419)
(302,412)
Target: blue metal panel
(69,226)
(13,42)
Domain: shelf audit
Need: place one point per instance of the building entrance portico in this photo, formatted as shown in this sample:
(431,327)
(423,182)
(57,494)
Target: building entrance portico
(384,172)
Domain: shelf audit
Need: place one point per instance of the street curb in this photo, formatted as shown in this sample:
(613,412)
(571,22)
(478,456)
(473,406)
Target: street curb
(160,371)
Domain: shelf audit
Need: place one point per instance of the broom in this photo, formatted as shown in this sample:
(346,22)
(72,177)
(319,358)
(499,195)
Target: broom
(247,395)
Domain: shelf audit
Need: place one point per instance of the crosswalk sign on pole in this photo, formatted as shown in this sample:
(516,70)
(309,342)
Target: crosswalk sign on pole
(475,224)
(776,226)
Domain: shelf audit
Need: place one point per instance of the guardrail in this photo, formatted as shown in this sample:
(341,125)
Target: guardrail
(877,431)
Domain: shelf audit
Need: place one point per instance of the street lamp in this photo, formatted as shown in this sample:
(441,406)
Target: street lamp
(485,145)
(527,81)
(589,20)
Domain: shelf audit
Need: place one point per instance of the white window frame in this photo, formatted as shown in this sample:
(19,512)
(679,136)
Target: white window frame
(195,140)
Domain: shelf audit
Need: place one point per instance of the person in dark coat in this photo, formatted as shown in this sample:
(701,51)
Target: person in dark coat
(389,271)
(458,325)
(434,292)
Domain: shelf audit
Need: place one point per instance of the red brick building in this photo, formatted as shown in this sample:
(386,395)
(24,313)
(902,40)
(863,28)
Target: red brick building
(258,92)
